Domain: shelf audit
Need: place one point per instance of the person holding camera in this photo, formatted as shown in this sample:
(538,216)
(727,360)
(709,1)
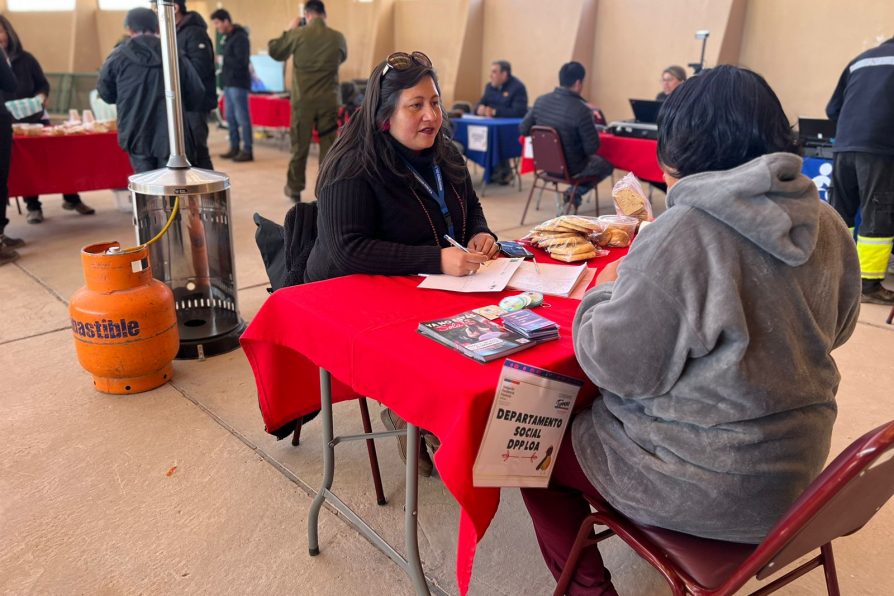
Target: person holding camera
(316,51)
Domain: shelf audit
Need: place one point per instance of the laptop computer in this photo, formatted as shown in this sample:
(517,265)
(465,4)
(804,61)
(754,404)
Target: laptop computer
(645,111)
(815,132)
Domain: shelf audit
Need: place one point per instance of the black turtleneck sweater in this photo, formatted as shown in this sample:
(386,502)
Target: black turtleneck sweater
(378,226)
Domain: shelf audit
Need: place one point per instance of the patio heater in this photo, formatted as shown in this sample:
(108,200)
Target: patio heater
(195,258)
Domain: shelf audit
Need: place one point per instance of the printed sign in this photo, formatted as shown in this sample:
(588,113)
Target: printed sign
(477,138)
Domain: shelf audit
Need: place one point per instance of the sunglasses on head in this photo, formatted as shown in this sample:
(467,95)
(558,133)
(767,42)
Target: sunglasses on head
(402,61)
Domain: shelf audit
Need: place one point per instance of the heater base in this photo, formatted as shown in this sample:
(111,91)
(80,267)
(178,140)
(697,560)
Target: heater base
(201,348)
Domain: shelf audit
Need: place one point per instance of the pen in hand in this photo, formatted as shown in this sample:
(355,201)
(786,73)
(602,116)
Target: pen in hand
(455,243)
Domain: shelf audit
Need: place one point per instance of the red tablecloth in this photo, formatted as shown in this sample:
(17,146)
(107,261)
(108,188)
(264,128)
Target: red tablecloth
(362,329)
(67,164)
(266,110)
(625,153)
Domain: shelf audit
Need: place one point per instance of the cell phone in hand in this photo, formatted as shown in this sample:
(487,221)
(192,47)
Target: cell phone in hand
(514,250)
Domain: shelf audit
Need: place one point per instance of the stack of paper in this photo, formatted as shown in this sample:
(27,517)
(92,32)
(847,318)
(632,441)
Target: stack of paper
(529,324)
(548,279)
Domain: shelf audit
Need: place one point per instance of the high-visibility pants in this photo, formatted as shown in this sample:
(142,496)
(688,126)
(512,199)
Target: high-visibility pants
(864,183)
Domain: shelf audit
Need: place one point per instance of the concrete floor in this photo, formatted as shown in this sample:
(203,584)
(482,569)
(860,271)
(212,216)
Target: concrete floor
(180,490)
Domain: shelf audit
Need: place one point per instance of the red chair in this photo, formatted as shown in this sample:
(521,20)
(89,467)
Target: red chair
(550,167)
(839,502)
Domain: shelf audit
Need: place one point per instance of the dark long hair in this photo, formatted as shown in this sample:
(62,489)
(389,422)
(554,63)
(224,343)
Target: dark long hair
(364,147)
(15,44)
(722,118)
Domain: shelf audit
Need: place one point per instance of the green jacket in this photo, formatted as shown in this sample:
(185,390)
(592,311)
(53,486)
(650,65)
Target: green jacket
(316,51)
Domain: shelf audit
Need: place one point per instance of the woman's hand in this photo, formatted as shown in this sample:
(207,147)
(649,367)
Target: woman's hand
(455,261)
(609,272)
(485,244)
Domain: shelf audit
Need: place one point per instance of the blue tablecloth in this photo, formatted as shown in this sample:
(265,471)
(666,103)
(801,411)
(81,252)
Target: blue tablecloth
(820,171)
(502,141)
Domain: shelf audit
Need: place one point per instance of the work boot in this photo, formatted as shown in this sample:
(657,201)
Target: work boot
(8,242)
(394,422)
(34,217)
(81,208)
(879,295)
(244,156)
(8,255)
(233,152)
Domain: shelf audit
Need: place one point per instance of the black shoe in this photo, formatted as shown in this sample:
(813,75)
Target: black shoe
(879,295)
(8,242)
(8,255)
(233,152)
(81,208)
(34,217)
(244,156)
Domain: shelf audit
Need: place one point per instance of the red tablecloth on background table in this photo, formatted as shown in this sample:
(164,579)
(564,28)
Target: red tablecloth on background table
(362,329)
(67,164)
(624,153)
(268,111)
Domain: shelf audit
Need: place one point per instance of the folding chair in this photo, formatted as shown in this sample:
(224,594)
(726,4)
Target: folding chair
(839,502)
(550,167)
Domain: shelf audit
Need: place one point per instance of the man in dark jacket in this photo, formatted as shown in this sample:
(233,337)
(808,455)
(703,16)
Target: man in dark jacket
(194,44)
(235,77)
(132,78)
(863,176)
(566,111)
(504,97)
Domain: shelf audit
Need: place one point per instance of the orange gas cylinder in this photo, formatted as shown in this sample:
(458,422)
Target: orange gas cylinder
(123,321)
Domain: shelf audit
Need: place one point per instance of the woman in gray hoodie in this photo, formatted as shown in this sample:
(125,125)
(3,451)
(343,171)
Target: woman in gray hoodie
(711,342)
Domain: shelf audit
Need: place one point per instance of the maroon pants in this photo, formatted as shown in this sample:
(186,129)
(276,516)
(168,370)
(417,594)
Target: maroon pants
(558,512)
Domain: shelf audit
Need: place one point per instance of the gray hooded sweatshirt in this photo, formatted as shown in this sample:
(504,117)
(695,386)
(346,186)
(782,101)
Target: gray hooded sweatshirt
(712,350)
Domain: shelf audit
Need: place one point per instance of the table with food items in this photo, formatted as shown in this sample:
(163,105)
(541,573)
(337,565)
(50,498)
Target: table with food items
(69,158)
(315,344)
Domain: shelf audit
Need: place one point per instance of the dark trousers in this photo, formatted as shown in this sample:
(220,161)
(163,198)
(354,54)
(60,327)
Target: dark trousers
(146,163)
(305,118)
(596,166)
(558,512)
(864,183)
(196,125)
(5,156)
(33,203)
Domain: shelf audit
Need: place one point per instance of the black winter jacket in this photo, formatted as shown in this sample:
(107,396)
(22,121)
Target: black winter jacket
(30,81)
(236,50)
(132,78)
(566,111)
(510,99)
(194,44)
(7,85)
(863,103)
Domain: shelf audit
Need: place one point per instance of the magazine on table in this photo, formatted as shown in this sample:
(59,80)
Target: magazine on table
(527,422)
(475,336)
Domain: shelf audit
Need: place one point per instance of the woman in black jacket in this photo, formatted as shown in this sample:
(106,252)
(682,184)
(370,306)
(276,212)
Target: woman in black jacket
(393,187)
(31,82)
(7,84)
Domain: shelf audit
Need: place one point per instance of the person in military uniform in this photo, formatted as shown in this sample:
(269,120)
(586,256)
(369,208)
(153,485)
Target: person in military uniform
(316,51)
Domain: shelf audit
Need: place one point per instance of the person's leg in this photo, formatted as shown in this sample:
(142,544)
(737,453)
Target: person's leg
(244,118)
(875,237)
(392,421)
(231,109)
(844,194)
(557,513)
(73,202)
(144,163)
(33,203)
(7,244)
(196,132)
(596,166)
(327,128)
(301,135)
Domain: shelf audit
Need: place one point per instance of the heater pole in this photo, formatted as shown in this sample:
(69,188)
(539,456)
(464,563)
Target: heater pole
(171,69)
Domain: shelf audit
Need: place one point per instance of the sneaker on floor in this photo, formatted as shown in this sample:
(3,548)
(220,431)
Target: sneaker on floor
(879,295)
(244,156)
(233,152)
(392,421)
(34,217)
(8,242)
(8,255)
(81,208)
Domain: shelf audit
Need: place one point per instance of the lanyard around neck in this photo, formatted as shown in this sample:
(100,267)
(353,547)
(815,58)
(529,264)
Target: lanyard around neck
(437,196)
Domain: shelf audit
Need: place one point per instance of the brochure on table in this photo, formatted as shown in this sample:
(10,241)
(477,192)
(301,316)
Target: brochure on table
(547,278)
(527,421)
(491,277)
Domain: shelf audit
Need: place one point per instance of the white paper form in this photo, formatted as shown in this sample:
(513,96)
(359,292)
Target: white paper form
(477,138)
(547,278)
(491,277)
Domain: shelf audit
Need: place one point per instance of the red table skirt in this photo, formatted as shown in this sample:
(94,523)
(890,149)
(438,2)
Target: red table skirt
(625,153)
(361,329)
(67,164)
(268,111)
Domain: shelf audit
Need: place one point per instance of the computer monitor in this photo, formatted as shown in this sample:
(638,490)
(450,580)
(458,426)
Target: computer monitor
(645,110)
(267,75)
(816,131)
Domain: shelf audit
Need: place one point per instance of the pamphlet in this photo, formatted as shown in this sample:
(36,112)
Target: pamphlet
(547,278)
(491,277)
(475,336)
(527,421)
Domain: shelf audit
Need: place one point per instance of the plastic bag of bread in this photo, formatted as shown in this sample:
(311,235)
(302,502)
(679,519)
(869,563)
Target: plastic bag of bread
(630,199)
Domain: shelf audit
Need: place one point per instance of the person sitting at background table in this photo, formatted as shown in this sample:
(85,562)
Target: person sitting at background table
(31,82)
(565,110)
(393,186)
(711,342)
(671,78)
(504,97)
